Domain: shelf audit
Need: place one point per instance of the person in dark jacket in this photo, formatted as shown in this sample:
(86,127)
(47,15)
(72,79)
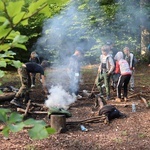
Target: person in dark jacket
(24,73)
(74,70)
(34,58)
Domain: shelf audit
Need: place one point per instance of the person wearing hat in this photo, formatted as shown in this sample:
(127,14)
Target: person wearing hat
(74,70)
(24,73)
(105,69)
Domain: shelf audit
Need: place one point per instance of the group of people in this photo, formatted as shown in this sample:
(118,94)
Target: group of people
(117,68)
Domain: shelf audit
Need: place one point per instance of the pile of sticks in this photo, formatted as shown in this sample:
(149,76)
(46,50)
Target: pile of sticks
(98,119)
(28,110)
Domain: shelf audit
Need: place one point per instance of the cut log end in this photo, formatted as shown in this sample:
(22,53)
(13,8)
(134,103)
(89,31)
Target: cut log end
(58,122)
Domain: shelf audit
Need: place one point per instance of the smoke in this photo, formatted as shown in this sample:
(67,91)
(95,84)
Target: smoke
(59,98)
(87,26)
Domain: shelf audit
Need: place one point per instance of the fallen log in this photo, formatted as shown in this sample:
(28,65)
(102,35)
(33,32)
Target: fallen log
(32,112)
(145,102)
(7,96)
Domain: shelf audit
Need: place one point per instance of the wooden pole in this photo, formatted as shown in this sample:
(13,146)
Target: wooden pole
(58,122)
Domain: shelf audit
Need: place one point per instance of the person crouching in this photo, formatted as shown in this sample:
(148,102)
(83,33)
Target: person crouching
(24,73)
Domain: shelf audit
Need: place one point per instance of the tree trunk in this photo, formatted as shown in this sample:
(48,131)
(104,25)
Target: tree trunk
(145,29)
(58,122)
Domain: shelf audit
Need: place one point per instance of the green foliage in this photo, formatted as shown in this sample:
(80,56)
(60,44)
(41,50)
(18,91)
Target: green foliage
(14,123)
(15,17)
(92,23)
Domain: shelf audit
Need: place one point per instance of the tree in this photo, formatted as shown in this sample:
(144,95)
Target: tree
(145,25)
(15,14)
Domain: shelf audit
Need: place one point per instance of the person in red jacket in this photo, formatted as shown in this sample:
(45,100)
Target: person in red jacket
(123,68)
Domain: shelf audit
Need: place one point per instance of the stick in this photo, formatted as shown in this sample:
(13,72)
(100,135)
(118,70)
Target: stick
(124,105)
(27,108)
(101,118)
(32,112)
(145,101)
(133,95)
(94,84)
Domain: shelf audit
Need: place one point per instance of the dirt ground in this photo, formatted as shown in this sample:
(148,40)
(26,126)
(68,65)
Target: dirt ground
(130,133)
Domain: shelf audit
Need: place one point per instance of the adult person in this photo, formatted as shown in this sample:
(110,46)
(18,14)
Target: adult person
(24,73)
(105,69)
(34,58)
(130,58)
(74,70)
(123,68)
(113,50)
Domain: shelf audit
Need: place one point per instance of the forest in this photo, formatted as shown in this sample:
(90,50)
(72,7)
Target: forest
(54,29)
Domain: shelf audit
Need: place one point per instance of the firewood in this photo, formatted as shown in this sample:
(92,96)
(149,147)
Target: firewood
(145,101)
(134,95)
(27,108)
(37,104)
(97,119)
(32,112)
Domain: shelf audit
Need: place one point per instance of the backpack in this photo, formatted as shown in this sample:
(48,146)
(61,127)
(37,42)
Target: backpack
(110,111)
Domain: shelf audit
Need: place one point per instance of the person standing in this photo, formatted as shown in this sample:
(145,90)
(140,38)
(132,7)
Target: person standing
(105,69)
(34,58)
(129,57)
(113,50)
(123,68)
(24,74)
(74,70)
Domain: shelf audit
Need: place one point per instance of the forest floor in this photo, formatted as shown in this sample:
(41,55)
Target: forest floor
(130,133)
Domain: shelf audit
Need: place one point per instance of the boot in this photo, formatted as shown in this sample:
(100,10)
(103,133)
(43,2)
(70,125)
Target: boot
(15,101)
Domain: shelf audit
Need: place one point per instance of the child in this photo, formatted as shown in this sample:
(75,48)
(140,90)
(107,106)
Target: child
(105,69)
(123,68)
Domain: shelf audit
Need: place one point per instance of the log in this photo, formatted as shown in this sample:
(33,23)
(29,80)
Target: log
(145,101)
(58,122)
(32,112)
(7,96)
